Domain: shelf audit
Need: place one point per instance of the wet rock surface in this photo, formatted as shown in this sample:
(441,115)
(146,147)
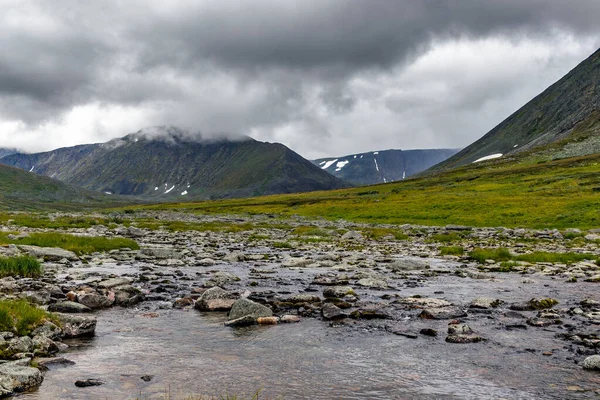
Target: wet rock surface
(353,284)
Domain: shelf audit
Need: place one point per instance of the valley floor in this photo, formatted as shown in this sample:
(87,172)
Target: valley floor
(384,311)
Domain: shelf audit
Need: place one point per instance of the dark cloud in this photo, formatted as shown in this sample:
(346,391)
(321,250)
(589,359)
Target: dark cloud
(348,73)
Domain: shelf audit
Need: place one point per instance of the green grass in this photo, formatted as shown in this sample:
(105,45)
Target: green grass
(283,245)
(499,254)
(555,194)
(452,251)
(380,233)
(21,317)
(310,231)
(502,254)
(77,244)
(24,266)
(445,238)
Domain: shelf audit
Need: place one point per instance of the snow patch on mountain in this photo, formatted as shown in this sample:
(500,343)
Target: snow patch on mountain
(376,166)
(490,157)
(329,164)
(341,165)
(169,190)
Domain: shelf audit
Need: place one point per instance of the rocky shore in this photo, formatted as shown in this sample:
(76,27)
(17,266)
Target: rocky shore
(268,271)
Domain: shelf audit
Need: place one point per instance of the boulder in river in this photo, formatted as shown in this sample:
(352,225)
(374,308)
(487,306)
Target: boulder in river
(77,325)
(443,313)
(216,299)
(243,307)
(94,300)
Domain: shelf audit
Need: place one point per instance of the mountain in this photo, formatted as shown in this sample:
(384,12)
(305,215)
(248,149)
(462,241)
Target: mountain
(167,163)
(21,190)
(562,121)
(6,152)
(382,166)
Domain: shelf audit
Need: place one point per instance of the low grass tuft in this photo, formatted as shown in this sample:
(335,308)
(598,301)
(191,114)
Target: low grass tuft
(499,254)
(452,251)
(283,245)
(77,244)
(445,238)
(502,254)
(21,317)
(25,266)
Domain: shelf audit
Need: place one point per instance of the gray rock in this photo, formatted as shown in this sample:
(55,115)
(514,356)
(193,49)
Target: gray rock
(69,307)
(18,376)
(40,297)
(485,303)
(455,329)
(423,302)
(352,235)
(338,291)
(331,311)
(407,264)
(216,299)
(221,278)
(44,347)
(88,383)
(206,262)
(162,253)
(127,295)
(49,253)
(443,313)
(94,300)
(464,338)
(592,363)
(372,283)
(13,347)
(244,307)
(236,256)
(304,298)
(77,325)
(246,320)
(113,282)
(592,237)
(133,231)
(48,330)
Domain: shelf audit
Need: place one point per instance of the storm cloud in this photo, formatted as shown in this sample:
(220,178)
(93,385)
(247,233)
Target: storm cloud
(325,78)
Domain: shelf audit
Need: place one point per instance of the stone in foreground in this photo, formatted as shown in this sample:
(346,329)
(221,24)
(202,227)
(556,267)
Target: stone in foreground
(216,299)
(243,307)
(18,376)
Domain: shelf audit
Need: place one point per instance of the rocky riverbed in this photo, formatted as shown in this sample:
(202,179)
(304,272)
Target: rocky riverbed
(532,332)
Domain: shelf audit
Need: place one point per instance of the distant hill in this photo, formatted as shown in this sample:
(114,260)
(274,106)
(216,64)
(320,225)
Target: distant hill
(170,165)
(563,121)
(382,166)
(21,190)
(6,152)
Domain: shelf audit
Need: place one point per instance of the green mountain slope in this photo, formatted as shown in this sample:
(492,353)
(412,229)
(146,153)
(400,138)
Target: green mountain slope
(563,121)
(21,190)
(173,166)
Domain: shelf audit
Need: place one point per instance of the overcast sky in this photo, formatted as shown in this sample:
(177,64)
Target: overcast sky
(324,77)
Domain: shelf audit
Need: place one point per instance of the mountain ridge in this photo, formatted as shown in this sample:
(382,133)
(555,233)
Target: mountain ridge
(382,166)
(179,166)
(567,111)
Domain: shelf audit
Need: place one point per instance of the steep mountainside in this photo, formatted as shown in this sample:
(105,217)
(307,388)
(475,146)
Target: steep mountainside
(21,190)
(173,166)
(382,166)
(6,152)
(562,121)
